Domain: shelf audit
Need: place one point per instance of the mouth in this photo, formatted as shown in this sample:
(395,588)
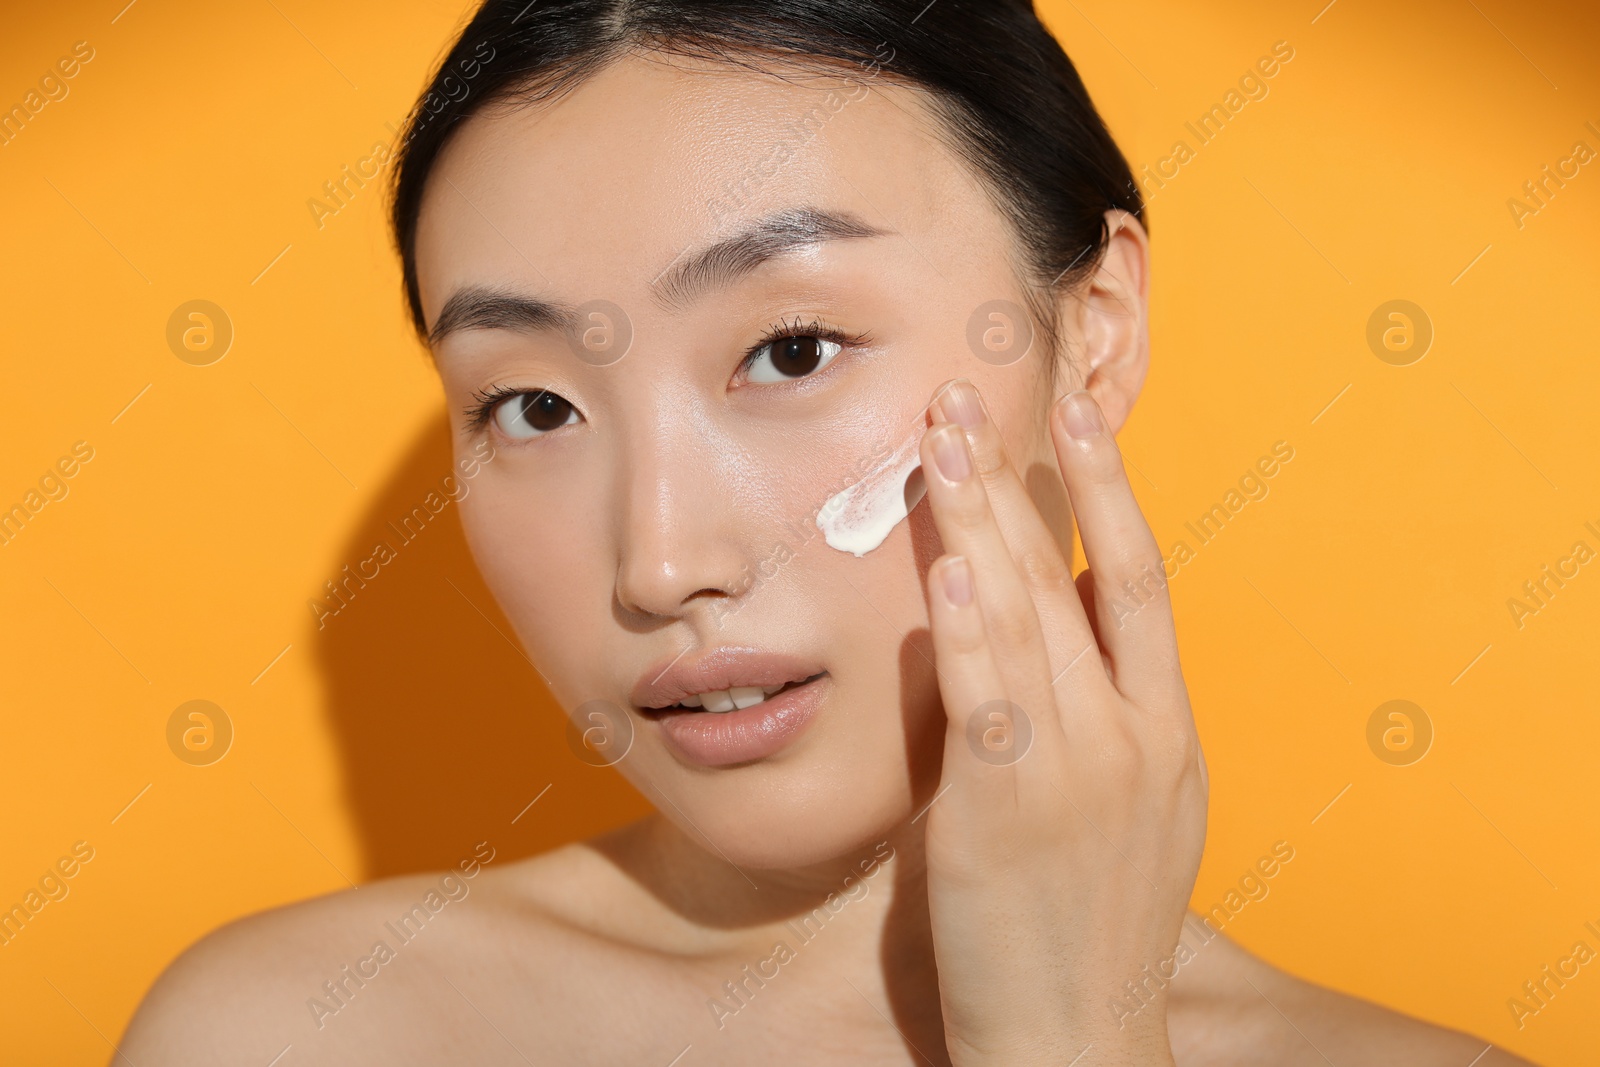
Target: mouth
(734,698)
(720,680)
(732,704)
(700,736)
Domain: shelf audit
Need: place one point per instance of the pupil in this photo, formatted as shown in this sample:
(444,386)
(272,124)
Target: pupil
(797,356)
(545,411)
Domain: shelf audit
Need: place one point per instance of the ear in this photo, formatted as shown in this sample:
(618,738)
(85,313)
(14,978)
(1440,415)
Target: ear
(1111,322)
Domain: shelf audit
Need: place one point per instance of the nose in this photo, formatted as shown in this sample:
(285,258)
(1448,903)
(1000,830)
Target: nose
(681,544)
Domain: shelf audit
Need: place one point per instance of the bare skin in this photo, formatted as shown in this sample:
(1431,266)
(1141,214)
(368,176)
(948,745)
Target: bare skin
(973,912)
(568,958)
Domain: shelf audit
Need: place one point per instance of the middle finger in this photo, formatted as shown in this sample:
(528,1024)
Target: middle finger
(967,527)
(1032,544)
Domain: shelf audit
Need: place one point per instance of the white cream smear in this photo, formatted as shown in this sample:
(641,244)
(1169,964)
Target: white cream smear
(858,519)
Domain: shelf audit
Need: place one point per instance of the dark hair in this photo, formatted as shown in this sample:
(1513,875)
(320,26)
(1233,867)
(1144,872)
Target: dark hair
(1012,100)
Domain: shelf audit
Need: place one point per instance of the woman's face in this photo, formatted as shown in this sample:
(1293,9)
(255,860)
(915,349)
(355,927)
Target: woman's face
(660,500)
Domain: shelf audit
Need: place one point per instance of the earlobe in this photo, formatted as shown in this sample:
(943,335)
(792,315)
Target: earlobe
(1111,316)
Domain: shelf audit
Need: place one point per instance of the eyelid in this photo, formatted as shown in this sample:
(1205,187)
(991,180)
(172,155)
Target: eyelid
(815,328)
(480,413)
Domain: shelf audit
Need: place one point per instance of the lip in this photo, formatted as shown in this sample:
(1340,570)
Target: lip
(718,739)
(669,681)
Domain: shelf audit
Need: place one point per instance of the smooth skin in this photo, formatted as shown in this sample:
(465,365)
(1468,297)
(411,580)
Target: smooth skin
(939,902)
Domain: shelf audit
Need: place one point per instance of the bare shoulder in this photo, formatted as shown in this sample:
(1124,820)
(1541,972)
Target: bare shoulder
(332,975)
(1229,1007)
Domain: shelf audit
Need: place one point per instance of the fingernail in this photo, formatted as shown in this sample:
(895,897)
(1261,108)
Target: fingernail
(950,453)
(958,581)
(961,403)
(1081,415)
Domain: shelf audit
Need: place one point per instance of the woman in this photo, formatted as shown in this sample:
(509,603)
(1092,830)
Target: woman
(798,332)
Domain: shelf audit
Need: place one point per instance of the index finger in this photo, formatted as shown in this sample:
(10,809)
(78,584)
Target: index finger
(1033,544)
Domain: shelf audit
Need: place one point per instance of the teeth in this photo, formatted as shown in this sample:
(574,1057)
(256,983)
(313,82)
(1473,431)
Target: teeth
(740,696)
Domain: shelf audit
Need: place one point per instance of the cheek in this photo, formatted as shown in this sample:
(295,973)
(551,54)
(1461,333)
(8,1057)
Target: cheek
(874,612)
(926,547)
(544,580)
(1019,399)
(921,706)
(1021,407)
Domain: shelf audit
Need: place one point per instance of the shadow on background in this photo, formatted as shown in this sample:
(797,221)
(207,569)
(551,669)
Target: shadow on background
(445,729)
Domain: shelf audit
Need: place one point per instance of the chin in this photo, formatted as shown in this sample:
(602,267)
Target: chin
(840,821)
(857,774)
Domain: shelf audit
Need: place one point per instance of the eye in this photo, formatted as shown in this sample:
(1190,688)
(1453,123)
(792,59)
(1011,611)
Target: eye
(521,414)
(791,352)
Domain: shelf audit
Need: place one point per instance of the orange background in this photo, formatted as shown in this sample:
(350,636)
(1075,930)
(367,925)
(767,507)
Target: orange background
(180,563)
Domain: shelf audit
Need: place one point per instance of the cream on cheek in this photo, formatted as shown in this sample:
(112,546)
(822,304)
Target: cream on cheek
(859,518)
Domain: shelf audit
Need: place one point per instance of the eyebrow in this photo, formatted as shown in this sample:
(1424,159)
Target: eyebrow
(478,307)
(689,277)
(731,258)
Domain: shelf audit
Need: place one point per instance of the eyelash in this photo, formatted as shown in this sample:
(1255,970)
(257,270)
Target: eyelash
(782,331)
(481,410)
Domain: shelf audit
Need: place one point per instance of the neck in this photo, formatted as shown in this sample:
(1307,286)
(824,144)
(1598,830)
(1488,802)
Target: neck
(856,927)
(862,916)
(874,895)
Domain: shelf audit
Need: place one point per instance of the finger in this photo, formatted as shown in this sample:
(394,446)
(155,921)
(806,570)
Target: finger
(977,751)
(1033,545)
(1085,584)
(1133,614)
(967,527)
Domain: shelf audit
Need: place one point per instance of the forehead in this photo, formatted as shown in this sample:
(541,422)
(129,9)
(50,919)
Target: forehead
(604,188)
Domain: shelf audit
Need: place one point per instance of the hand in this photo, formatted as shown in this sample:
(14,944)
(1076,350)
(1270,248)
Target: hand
(1063,843)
